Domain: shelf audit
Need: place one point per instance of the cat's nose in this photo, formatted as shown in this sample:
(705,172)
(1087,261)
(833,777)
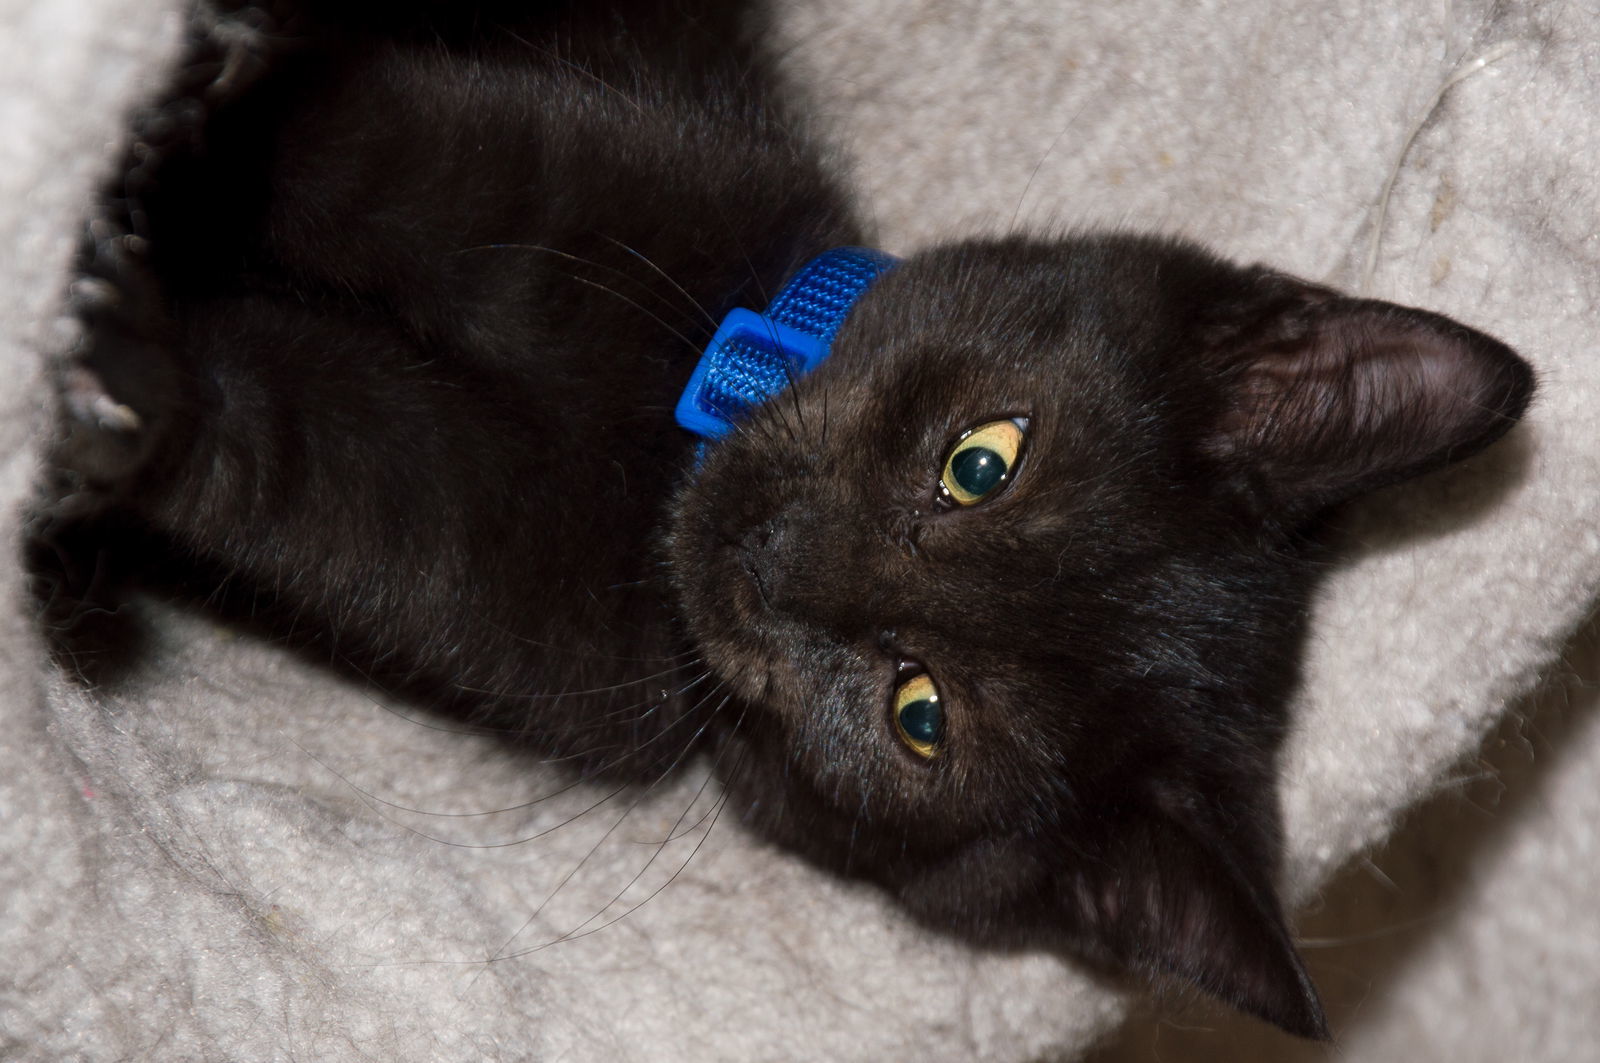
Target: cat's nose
(803,567)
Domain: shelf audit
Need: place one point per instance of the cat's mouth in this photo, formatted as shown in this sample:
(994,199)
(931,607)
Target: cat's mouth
(749,562)
(737,583)
(726,601)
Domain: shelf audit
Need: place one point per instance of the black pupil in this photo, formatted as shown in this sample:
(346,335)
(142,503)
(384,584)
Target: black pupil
(977,470)
(923,720)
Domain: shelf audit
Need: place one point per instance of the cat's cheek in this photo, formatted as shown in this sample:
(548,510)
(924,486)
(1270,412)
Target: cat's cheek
(986,887)
(745,673)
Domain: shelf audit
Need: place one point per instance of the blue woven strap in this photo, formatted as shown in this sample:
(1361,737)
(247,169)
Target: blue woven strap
(754,356)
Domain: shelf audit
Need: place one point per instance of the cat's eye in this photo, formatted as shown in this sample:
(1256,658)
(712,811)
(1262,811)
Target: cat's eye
(982,461)
(918,716)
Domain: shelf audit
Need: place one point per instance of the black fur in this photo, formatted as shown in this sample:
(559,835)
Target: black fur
(388,343)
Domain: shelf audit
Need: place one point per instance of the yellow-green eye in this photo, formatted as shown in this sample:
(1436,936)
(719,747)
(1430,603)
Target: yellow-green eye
(918,717)
(982,460)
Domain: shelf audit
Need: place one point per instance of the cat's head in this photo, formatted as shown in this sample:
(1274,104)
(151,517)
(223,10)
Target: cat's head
(1013,584)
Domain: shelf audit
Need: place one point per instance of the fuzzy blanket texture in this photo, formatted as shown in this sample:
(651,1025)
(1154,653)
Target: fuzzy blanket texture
(235,855)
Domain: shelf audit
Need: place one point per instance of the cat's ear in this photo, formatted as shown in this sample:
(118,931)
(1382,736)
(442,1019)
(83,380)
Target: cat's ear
(1167,895)
(1327,397)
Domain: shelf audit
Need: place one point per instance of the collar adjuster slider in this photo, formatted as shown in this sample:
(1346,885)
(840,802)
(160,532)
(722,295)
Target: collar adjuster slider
(754,356)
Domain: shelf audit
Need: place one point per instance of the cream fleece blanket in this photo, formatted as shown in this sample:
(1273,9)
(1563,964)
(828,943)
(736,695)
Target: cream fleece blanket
(214,861)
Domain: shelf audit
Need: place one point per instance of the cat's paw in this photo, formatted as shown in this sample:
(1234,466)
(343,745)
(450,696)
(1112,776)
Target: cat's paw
(117,389)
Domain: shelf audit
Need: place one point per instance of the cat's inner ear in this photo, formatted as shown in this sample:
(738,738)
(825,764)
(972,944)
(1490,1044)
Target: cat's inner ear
(1327,397)
(1166,896)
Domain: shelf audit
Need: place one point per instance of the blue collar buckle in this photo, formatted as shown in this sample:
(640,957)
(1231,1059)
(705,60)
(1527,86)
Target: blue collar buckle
(755,356)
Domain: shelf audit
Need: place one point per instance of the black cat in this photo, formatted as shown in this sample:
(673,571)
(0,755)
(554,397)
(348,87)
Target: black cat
(999,606)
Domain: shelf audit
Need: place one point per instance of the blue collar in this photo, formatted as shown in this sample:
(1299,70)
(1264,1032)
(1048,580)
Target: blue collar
(754,356)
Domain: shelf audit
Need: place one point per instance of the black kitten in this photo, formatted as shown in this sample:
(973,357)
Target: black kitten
(1001,605)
